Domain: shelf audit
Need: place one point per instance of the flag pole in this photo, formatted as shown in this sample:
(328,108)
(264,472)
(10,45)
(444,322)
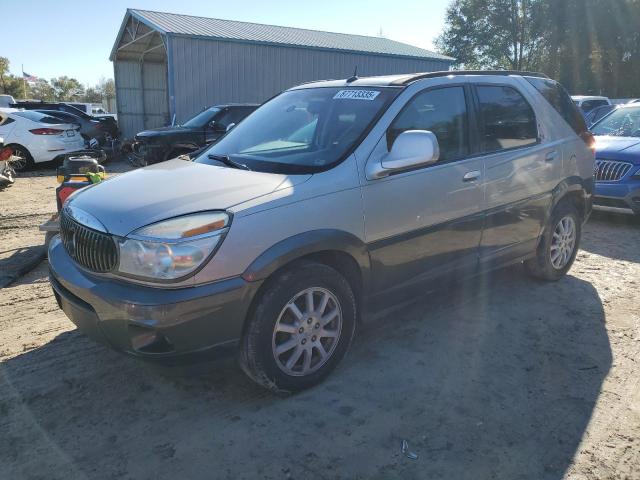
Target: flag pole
(24,84)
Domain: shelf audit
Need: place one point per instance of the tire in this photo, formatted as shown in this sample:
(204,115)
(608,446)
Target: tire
(548,264)
(25,161)
(298,333)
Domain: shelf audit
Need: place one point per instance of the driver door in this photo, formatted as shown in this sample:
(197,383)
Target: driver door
(427,222)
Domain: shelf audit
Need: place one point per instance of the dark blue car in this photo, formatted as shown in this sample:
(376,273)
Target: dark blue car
(617,170)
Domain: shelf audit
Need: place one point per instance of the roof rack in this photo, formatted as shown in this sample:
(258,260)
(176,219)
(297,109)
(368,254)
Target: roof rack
(420,76)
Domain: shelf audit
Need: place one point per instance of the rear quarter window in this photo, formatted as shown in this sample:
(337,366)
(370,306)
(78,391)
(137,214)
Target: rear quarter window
(560,100)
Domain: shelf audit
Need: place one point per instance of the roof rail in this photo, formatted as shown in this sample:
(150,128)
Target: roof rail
(420,76)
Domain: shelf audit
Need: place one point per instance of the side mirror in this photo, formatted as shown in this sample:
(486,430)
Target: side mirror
(230,126)
(411,149)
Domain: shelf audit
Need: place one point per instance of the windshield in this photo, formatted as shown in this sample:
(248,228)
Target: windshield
(303,131)
(623,122)
(201,119)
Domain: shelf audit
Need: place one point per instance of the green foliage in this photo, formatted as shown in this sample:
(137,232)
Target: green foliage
(591,46)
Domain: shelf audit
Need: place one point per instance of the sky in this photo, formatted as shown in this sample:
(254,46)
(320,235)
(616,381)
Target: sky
(75,37)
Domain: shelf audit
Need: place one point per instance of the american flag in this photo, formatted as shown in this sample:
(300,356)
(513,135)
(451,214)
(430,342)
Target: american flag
(29,78)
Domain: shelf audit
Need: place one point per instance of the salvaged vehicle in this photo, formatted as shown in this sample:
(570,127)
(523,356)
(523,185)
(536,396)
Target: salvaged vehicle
(109,124)
(160,144)
(35,137)
(617,170)
(330,199)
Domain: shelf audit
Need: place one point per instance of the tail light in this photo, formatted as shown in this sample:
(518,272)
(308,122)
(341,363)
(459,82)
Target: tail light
(588,138)
(46,131)
(5,154)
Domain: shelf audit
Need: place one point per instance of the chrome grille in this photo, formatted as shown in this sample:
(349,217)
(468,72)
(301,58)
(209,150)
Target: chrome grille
(92,249)
(610,170)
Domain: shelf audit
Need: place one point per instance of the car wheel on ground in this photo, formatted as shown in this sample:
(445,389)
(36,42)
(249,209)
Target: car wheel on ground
(558,246)
(301,327)
(22,159)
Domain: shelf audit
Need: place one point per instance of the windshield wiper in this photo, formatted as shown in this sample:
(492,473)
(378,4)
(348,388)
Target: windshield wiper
(227,161)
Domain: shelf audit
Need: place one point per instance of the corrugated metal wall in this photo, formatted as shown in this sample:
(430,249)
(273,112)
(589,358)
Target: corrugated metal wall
(206,72)
(141,92)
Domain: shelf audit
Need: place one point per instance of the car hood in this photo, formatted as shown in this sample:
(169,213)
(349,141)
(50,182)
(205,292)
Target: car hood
(164,131)
(618,148)
(173,188)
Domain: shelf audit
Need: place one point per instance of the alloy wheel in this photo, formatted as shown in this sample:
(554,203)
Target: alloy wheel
(563,242)
(307,331)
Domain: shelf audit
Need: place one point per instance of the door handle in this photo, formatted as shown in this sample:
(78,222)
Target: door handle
(471,176)
(551,156)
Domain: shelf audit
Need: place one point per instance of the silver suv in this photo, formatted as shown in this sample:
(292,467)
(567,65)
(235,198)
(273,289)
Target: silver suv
(331,197)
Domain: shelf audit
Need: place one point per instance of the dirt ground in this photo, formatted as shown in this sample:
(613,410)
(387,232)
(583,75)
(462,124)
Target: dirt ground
(499,378)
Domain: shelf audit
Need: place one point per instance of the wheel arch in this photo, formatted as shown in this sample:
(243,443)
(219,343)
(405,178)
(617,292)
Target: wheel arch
(338,249)
(576,190)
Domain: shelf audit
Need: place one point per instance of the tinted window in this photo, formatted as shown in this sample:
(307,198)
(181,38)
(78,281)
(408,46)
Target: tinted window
(232,115)
(589,105)
(6,121)
(559,99)
(443,112)
(508,120)
(201,119)
(38,117)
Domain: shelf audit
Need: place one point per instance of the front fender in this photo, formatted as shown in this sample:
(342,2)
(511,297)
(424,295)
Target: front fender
(308,243)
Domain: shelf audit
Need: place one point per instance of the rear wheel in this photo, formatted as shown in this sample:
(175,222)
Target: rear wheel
(21,159)
(300,329)
(558,246)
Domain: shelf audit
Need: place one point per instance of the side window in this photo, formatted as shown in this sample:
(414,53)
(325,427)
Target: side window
(6,121)
(508,120)
(559,99)
(442,111)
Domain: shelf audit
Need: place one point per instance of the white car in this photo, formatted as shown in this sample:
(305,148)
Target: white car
(36,137)
(586,103)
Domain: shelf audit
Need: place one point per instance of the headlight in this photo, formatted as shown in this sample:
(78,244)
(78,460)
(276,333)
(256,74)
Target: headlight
(172,248)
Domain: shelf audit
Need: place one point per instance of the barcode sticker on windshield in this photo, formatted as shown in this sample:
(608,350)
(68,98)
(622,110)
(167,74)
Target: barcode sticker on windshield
(356,95)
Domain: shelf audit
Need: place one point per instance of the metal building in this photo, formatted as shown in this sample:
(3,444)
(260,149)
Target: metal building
(170,66)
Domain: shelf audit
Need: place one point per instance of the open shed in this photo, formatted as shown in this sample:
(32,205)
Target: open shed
(169,67)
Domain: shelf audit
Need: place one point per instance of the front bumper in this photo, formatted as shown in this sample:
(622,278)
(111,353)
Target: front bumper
(147,321)
(618,197)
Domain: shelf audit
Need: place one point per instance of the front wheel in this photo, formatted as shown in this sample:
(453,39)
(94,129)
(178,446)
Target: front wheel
(300,329)
(559,244)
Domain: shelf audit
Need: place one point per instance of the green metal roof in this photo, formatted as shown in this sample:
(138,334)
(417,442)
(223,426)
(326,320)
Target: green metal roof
(214,28)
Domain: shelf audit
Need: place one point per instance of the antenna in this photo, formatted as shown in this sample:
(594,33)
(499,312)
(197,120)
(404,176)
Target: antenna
(354,77)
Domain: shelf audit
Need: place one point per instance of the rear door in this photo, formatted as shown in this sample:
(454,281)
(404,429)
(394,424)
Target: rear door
(426,222)
(520,172)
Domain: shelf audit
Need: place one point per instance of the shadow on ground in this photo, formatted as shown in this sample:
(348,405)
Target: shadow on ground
(17,262)
(607,238)
(495,378)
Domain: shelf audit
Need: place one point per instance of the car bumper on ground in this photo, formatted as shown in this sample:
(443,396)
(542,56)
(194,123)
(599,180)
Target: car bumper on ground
(159,323)
(618,197)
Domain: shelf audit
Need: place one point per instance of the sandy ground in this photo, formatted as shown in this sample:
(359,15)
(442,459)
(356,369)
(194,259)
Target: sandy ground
(499,378)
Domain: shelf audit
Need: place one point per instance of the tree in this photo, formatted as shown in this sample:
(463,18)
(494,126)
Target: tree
(107,88)
(591,46)
(66,88)
(41,90)
(496,34)
(92,95)
(10,84)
